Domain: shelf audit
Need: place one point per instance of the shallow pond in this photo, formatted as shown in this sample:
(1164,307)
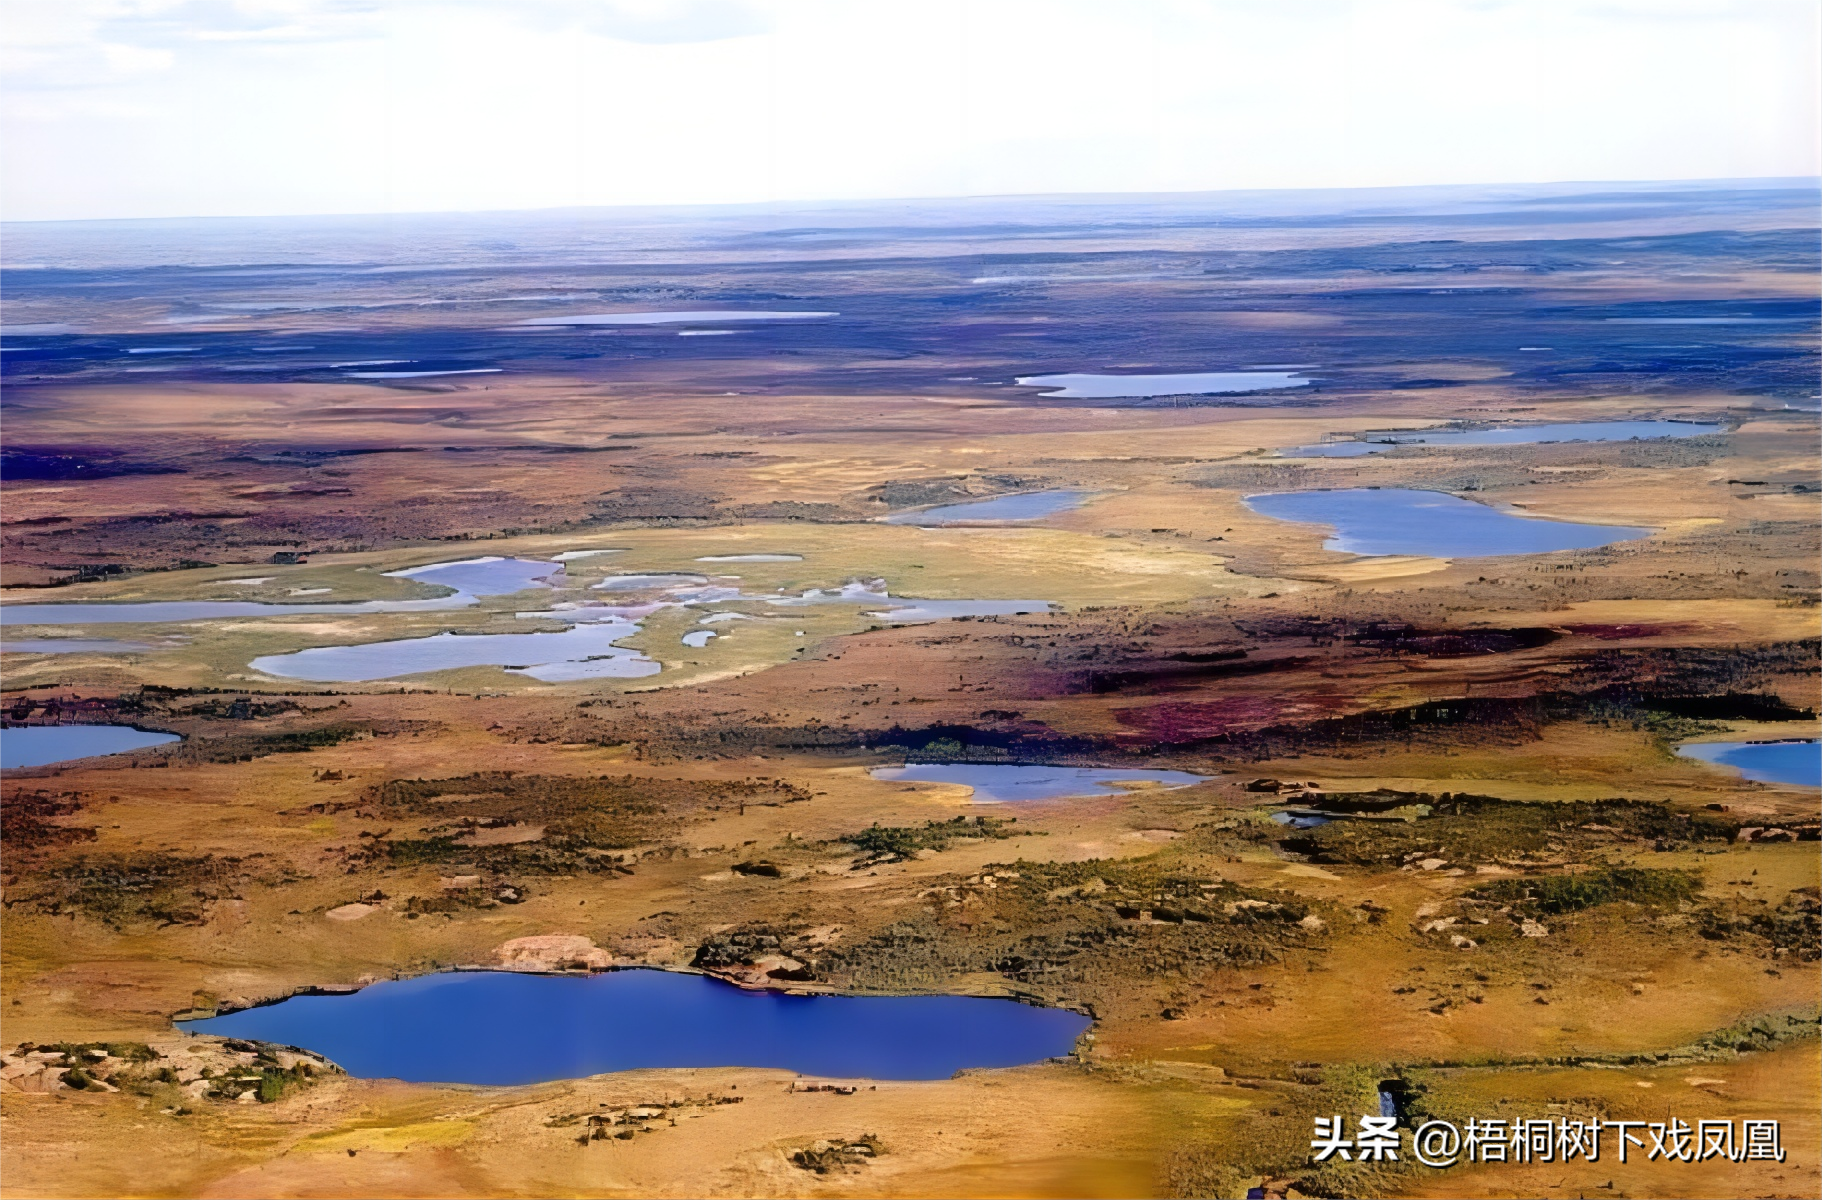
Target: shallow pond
(634,583)
(1797,762)
(470,577)
(910,612)
(997,781)
(499,1029)
(751,558)
(710,317)
(1201,383)
(155,611)
(1027,506)
(1517,435)
(1407,521)
(74,646)
(1300,820)
(486,576)
(42,745)
(423,374)
(586,650)
(905,612)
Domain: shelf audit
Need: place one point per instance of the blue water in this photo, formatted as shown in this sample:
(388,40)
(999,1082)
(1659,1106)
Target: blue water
(1005,782)
(154,611)
(1336,450)
(486,576)
(41,745)
(1797,762)
(752,558)
(711,317)
(1300,820)
(470,577)
(633,583)
(1027,506)
(533,654)
(905,611)
(499,1029)
(1517,435)
(914,611)
(1406,521)
(73,646)
(1201,383)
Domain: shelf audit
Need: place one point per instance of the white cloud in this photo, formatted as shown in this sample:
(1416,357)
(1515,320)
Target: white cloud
(653,22)
(169,107)
(133,60)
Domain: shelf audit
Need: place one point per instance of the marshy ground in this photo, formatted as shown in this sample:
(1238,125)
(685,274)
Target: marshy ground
(1525,903)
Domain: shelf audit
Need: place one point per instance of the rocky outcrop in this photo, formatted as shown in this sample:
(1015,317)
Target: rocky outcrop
(554,952)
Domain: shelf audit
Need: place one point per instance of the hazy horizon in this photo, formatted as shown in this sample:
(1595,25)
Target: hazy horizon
(126,109)
(822,204)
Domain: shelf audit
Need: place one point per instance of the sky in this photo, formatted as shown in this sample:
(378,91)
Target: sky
(171,108)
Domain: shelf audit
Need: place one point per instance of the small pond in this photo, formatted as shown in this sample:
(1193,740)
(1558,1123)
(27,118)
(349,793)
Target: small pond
(634,583)
(486,576)
(1201,383)
(751,558)
(470,578)
(911,612)
(1300,820)
(997,781)
(1027,506)
(1796,761)
(1516,435)
(74,646)
(42,745)
(710,317)
(155,611)
(500,1029)
(1408,521)
(586,650)
(905,612)
(423,374)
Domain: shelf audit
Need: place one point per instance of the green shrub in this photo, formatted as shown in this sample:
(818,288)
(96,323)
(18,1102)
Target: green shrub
(1572,893)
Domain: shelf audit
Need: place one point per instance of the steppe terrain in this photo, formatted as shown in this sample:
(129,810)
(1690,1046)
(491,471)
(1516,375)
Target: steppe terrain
(1527,905)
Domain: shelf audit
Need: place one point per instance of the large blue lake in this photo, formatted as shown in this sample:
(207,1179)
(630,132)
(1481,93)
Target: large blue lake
(1515,435)
(498,1028)
(1797,762)
(1408,521)
(1004,781)
(42,745)
(1027,506)
(1199,383)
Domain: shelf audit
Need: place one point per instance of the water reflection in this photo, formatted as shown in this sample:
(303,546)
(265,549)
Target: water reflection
(1406,521)
(42,745)
(1002,781)
(499,1029)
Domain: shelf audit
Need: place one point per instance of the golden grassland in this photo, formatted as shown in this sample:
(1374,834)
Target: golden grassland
(1165,542)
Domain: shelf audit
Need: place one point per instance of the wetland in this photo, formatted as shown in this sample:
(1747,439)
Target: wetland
(1083,787)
